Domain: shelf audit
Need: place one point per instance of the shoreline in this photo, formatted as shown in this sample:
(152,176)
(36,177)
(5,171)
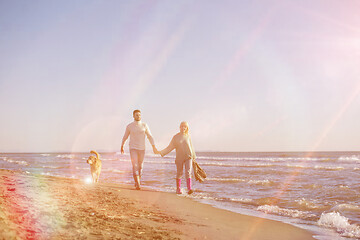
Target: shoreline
(43,207)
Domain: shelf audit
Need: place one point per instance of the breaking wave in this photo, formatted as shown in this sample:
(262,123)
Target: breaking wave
(340,223)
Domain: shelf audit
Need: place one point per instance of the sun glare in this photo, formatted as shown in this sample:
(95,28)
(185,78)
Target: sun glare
(88,180)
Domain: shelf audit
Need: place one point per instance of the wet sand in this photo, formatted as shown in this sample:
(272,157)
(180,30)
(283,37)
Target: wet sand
(43,207)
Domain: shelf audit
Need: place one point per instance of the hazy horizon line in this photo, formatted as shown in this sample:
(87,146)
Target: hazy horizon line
(202,151)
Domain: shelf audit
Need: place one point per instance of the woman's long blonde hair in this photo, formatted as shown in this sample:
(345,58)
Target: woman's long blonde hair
(187,127)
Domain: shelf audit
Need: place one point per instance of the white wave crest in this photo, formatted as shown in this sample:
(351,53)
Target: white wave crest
(82,168)
(329,168)
(271,159)
(340,223)
(118,160)
(226,179)
(335,168)
(220,158)
(69,156)
(102,159)
(285,212)
(306,203)
(109,159)
(9,160)
(260,182)
(241,200)
(114,170)
(295,166)
(353,158)
(160,162)
(227,164)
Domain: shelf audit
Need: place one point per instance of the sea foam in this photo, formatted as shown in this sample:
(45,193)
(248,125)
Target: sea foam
(285,212)
(306,204)
(340,223)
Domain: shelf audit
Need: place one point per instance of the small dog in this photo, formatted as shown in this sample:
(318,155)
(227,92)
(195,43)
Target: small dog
(95,166)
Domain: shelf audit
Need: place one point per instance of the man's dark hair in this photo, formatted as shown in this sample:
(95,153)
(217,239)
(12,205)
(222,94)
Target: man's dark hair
(135,111)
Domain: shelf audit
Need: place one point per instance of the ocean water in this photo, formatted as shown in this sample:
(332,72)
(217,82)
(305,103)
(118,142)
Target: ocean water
(316,191)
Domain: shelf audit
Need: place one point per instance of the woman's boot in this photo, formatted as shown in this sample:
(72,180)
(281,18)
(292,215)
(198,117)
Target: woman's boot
(188,183)
(178,186)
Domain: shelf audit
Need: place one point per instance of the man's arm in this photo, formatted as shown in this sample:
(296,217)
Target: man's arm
(151,139)
(125,137)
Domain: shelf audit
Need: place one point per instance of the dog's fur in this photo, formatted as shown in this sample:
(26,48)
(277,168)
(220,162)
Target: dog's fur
(95,166)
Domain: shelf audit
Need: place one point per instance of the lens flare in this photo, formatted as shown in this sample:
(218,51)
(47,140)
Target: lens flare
(88,180)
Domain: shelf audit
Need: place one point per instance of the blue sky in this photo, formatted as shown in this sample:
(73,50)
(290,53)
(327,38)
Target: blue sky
(246,75)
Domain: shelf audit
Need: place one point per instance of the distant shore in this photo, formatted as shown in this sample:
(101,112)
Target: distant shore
(43,207)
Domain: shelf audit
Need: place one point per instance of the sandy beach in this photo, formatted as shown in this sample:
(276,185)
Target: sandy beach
(43,207)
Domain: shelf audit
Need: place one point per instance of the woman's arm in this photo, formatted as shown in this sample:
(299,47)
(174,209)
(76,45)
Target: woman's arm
(168,148)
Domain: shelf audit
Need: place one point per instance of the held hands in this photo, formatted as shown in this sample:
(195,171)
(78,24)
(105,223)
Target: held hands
(155,150)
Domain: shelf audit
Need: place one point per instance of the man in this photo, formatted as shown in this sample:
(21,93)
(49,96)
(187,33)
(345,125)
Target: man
(137,131)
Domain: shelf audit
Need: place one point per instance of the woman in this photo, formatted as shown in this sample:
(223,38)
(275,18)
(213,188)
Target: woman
(184,155)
